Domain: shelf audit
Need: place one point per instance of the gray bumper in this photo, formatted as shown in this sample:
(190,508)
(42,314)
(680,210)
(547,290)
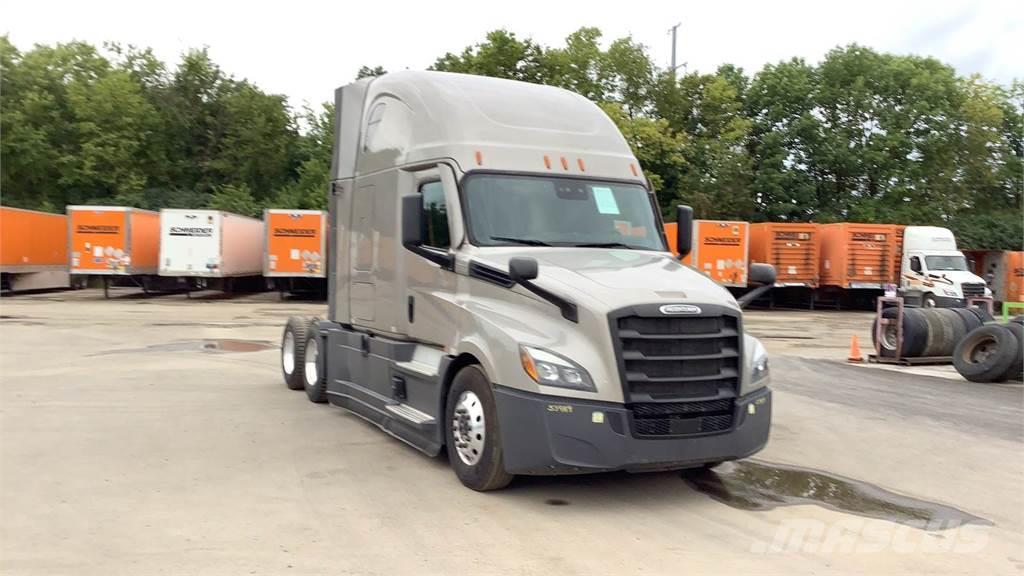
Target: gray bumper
(552,435)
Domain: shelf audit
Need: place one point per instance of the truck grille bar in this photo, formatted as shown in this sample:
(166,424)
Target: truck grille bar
(680,374)
(974,289)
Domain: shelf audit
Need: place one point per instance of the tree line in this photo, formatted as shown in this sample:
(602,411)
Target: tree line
(860,136)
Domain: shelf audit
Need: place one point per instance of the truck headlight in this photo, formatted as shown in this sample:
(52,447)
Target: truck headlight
(550,369)
(759,374)
(949,292)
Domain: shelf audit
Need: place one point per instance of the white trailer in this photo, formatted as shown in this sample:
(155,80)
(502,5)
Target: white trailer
(209,244)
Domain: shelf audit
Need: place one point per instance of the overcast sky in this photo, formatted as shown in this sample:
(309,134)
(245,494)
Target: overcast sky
(306,49)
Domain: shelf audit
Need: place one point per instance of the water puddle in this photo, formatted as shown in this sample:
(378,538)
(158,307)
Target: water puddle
(752,485)
(208,345)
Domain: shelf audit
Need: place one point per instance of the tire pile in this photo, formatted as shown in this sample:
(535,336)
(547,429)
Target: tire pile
(929,332)
(981,349)
(992,353)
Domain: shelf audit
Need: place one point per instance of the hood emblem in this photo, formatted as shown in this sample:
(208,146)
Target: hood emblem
(680,309)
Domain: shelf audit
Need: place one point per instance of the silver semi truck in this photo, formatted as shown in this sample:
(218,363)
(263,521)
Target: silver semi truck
(500,287)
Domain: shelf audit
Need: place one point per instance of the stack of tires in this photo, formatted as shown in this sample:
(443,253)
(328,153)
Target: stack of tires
(928,332)
(992,353)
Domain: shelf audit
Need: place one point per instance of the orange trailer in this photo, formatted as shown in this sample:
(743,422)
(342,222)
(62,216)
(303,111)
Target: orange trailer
(114,240)
(857,255)
(1004,272)
(719,250)
(791,247)
(295,243)
(32,241)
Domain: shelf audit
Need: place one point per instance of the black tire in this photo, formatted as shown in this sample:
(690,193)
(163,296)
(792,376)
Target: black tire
(982,314)
(887,347)
(314,377)
(928,301)
(936,339)
(296,328)
(488,472)
(915,333)
(1018,320)
(968,319)
(986,353)
(1016,370)
(953,329)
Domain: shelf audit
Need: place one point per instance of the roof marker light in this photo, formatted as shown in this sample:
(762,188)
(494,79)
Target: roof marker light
(547,162)
(632,168)
(565,163)
(579,162)
(479,158)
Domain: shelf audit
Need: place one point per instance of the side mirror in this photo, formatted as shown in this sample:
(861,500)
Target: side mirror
(763,274)
(412,220)
(522,269)
(684,230)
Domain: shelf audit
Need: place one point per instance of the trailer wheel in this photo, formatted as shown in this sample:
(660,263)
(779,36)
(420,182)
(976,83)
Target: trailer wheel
(986,354)
(1016,370)
(293,352)
(472,435)
(314,377)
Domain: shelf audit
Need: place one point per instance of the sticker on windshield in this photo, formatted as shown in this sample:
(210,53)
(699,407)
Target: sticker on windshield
(605,200)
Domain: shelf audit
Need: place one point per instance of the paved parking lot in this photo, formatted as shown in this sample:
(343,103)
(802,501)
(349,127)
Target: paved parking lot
(155,436)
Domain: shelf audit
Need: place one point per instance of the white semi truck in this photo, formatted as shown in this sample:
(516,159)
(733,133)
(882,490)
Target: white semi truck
(500,287)
(935,271)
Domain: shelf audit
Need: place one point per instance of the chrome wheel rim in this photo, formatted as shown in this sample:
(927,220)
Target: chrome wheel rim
(288,353)
(468,428)
(312,351)
(889,337)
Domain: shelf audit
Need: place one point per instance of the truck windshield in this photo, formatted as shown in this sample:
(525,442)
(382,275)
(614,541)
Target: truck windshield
(506,210)
(945,263)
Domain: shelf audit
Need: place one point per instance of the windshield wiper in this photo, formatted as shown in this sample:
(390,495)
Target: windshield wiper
(523,241)
(604,245)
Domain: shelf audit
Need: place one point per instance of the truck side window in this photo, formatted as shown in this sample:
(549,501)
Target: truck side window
(915,264)
(435,216)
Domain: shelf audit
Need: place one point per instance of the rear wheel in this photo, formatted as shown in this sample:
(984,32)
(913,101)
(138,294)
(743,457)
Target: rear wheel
(472,434)
(293,352)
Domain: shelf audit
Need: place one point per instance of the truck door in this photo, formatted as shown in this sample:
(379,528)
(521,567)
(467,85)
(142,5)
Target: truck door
(430,288)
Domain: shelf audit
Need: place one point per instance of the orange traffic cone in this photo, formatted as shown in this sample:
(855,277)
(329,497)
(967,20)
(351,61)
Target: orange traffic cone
(855,355)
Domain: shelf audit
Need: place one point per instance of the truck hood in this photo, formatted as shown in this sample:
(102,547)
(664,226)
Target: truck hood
(615,278)
(959,277)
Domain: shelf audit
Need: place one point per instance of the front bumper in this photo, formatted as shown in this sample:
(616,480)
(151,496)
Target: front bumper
(544,435)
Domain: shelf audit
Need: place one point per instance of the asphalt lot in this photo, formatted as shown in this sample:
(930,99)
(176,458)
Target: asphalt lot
(128,448)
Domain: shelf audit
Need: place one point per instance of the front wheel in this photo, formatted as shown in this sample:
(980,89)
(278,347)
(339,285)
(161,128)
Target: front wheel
(928,301)
(472,434)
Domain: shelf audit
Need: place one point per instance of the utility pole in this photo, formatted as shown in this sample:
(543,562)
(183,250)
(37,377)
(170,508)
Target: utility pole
(673,31)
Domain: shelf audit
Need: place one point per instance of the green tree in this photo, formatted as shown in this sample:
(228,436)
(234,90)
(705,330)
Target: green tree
(231,198)
(368,72)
